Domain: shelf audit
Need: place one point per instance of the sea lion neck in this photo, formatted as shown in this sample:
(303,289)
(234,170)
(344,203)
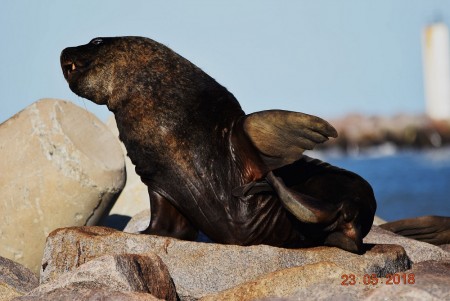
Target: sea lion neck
(211,108)
(183,153)
(178,125)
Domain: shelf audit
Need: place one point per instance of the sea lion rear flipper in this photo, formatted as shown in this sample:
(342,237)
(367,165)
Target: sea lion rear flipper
(282,136)
(431,229)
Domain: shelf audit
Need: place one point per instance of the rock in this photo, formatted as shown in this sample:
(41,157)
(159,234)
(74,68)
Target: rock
(134,197)
(333,292)
(445,247)
(359,133)
(309,282)
(417,251)
(7,292)
(15,280)
(428,280)
(17,276)
(60,166)
(139,222)
(143,273)
(431,282)
(200,269)
(79,293)
(378,221)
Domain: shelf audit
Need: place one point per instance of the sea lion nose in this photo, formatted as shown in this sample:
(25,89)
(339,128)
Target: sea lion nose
(66,63)
(67,56)
(64,56)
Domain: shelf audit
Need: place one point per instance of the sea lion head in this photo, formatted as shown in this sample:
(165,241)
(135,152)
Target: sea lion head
(92,70)
(354,221)
(108,70)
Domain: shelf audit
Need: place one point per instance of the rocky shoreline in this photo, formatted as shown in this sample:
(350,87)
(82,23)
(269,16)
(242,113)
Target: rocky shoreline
(52,247)
(358,133)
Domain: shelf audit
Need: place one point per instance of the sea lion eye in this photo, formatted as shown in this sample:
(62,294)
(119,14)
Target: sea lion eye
(97,41)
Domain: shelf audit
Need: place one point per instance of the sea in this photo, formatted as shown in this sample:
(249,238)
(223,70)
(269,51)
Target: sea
(407,183)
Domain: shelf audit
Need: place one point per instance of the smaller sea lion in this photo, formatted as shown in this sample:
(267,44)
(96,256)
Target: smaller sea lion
(431,229)
(239,179)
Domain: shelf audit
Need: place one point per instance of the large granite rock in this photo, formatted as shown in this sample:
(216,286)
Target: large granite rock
(289,282)
(60,167)
(79,293)
(426,281)
(141,273)
(134,197)
(200,269)
(417,251)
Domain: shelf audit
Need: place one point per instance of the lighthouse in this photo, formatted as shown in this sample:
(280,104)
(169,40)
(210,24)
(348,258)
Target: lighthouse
(436,64)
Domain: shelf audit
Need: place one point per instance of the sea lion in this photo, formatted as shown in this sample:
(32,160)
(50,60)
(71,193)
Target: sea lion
(240,179)
(431,229)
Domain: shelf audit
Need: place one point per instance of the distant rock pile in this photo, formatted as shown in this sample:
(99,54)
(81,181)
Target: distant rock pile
(357,132)
(64,172)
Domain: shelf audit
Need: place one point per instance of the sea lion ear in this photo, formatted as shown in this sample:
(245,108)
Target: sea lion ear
(282,136)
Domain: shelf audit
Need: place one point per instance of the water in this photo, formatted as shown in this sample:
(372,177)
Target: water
(406,184)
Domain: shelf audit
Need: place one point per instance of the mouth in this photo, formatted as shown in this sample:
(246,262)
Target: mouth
(69,68)
(73,68)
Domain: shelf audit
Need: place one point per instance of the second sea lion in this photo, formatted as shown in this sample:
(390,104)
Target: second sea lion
(240,179)
(431,229)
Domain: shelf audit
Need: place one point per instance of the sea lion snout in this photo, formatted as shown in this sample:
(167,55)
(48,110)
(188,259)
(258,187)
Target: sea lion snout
(87,70)
(76,60)
(72,66)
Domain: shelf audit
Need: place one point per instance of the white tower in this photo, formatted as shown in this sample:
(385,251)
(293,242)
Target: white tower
(436,62)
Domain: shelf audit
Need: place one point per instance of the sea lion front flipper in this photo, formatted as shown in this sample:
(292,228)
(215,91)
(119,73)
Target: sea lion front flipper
(431,229)
(166,220)
(282,136)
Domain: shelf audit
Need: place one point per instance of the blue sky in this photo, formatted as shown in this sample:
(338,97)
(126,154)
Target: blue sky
(326,58)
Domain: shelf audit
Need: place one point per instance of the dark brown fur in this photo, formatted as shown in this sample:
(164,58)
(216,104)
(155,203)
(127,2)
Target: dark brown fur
(193,146)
